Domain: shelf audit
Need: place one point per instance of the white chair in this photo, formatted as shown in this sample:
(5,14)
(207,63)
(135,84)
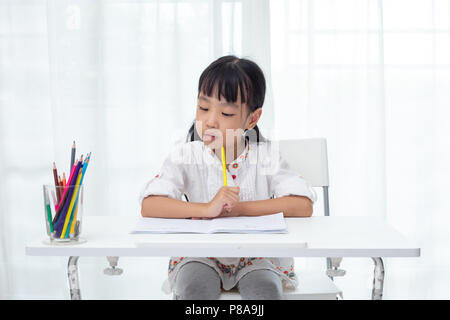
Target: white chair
(308,157)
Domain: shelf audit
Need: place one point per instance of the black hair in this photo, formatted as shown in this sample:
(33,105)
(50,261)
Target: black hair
(232,75)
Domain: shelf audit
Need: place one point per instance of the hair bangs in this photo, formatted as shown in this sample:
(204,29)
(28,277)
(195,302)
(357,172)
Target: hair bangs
(227,80)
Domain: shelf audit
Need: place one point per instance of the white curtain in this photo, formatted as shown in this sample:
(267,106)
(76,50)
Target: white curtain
(120,78)
(373,77)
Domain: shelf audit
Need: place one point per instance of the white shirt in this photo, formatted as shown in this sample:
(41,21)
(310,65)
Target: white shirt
(193,169)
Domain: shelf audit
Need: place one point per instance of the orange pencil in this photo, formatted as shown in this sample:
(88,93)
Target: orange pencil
(60,185)
(64,179)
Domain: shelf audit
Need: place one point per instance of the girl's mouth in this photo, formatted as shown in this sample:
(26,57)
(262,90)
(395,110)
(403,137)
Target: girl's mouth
(208,137)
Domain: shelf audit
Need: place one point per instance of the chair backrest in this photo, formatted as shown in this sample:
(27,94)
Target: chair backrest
(307,157)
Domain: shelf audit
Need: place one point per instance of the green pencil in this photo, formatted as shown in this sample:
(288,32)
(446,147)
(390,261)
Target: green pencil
(49,211)
(49,216)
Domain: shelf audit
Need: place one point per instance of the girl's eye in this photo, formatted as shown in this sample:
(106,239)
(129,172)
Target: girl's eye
(203,109)
(227,114)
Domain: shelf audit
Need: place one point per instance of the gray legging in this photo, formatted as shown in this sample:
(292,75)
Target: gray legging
(198,281)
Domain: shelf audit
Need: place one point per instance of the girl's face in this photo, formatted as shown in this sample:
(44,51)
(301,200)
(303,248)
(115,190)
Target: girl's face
(221,122)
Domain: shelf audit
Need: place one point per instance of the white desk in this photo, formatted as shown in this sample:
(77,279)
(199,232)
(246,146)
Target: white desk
(325,236)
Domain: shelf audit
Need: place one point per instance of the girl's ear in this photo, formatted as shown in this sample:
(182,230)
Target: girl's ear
(254,118)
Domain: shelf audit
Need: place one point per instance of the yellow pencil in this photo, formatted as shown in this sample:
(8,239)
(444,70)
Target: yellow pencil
(69,211)
(224,167)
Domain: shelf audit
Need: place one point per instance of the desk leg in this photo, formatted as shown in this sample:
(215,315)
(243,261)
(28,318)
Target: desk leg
(378,279)
(72,274)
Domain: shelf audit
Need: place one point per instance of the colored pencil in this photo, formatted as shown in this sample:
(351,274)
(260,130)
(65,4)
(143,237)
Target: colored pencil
(72,202)
(63,213)
(63,199)
(68,183)
(224,167)
(73,218)
(49,212)
(62,209)
(72,211)
(60,187)
(72,177)
(52,200)
(55,177)
(72,156)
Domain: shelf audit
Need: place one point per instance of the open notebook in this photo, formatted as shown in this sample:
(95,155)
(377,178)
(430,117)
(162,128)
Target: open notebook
(273,223)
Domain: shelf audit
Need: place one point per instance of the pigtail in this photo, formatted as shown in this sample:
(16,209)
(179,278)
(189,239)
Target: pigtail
(192,134)
(254,135)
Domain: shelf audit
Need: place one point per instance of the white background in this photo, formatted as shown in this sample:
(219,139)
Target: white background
(120,77)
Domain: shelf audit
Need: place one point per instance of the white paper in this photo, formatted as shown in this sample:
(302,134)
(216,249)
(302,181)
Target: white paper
(273,223)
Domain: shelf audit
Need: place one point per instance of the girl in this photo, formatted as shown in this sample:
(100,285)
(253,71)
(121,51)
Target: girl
(230,98)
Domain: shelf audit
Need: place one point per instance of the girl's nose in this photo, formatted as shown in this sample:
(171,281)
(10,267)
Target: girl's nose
(212,121)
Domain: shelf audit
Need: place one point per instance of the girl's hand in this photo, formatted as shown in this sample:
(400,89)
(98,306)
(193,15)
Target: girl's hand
(234,212)
(225,199)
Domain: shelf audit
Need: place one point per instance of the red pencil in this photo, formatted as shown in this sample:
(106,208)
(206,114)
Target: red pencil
(55,177)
